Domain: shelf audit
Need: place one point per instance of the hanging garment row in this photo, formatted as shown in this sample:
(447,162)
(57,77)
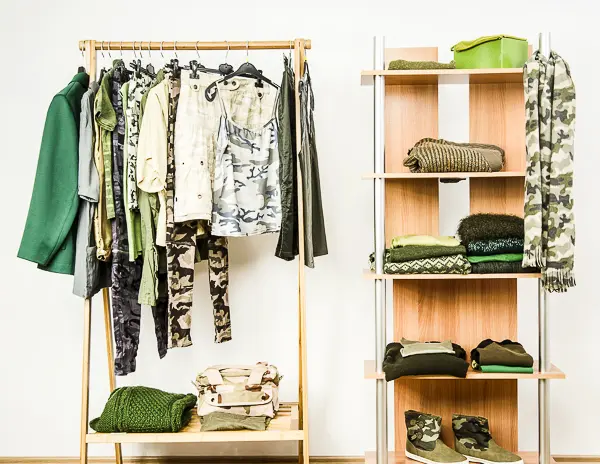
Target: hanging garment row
(143,174)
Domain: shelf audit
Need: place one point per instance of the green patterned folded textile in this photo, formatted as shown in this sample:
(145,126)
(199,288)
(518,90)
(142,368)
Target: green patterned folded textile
(494,368)
(220,421)
(144,410)
(412,252)
(495,246)
(424,240)
(438,155)
(500,267)
(400,65)
(504,257)
(456,264)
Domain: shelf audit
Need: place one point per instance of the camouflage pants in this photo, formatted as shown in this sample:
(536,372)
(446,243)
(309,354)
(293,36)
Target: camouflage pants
(181,254)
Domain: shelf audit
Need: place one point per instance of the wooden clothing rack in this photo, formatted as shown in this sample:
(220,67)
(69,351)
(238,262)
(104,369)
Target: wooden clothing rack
(291,422)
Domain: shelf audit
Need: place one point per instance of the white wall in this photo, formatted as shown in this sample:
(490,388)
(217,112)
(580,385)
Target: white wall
(41,322)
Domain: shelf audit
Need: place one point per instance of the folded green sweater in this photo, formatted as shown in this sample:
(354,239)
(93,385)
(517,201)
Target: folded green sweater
(397,65)
(497,369)
(411,252)
(503,257)
(144,409)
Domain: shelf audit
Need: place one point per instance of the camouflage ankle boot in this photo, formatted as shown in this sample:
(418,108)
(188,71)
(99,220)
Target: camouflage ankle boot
(423,442)
(472,438)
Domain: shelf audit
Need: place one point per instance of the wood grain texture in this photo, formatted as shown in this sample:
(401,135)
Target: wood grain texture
(411,207)
(497,116)
(411,111)
(85,380)
(442,175)
(466,312)
(192,46)
(529,457)
(431,76)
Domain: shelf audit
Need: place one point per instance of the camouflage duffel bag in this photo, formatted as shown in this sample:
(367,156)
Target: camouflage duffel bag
(238,389)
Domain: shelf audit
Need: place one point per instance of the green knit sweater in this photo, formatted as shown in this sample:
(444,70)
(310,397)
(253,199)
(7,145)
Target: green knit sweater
(144,409)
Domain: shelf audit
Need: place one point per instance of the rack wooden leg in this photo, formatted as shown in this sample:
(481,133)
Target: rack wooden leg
(85,381)
(110,358)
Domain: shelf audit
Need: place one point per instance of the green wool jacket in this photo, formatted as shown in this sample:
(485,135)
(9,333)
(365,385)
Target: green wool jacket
(50,230)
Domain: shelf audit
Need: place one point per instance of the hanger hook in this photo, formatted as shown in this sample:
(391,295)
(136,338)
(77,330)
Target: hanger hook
(102,49)
(134,53)
(149,52)
(175,50)
(108,51)
(121,48)
(140,50)
(197,52)
(247,48)
(161,49)
(227,52)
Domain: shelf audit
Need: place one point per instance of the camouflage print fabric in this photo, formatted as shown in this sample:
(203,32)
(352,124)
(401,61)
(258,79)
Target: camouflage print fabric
(218,280)
(471,431)
(550,132)
(126,275)
(422,430)
(138,86)
(246,191)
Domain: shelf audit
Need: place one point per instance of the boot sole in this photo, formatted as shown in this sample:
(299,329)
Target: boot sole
(414,457)
(485,461)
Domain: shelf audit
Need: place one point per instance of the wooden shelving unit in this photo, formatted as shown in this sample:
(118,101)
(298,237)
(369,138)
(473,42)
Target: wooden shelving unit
(399,458)
(463,308)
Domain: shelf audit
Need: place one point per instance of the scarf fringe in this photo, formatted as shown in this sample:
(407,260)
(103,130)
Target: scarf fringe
(558,280)
(534,258)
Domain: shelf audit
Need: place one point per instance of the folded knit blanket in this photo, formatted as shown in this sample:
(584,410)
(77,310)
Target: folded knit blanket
(500,267)
(495,246)
(437,155)
(504,257)
(424,240)
(144,409)
(395,365)
(486,226)
(406,64)
(456,264)
(412,252)
(505,353)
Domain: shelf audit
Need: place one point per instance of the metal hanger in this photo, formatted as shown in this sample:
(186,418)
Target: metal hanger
(226,68)
(81,68)
(174,64)
(247,69)
(197,67)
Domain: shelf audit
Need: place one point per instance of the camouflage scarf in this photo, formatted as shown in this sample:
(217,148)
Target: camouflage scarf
(550,132)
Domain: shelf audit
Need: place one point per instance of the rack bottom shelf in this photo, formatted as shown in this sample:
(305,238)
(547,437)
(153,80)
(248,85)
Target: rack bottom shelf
(529,457)
(283,427)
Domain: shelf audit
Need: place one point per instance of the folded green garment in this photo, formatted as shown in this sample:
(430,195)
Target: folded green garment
(504,257)
(486,226)
(456,264)
(500,267)
(413,348)
(504,353)
(424,240)
(466,44)
(144,409)
(495,368)
(406,64)
(411,252)
(221,421)
(495,246)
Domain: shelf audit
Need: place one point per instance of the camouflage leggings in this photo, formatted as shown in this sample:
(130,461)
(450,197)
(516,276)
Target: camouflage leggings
(181,254)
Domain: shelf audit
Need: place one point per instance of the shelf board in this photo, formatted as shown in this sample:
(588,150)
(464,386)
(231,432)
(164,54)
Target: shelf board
(519,275)
(450,76)
(555,373)
(529,457)
(283,427)
(442,175)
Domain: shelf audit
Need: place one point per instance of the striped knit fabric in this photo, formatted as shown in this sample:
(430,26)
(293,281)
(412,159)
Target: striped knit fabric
(438,155)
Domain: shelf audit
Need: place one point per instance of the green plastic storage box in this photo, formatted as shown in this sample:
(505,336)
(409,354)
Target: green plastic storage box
(498,51)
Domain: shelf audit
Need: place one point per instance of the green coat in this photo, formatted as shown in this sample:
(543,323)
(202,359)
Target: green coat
(49,236)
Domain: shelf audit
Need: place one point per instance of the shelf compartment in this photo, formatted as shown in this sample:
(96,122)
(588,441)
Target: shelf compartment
(449,76)
(529,457)
(283,427)
(555,374)
(522,275)
(442,175)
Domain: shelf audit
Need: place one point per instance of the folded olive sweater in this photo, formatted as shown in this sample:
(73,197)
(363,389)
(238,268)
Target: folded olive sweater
(488,226)
(504,353)
(144,409)
(409,253)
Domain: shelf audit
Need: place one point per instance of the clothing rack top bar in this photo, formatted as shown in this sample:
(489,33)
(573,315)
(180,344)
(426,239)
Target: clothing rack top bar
(224,45)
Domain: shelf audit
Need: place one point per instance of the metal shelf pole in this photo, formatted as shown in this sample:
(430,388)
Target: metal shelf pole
(379,217)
